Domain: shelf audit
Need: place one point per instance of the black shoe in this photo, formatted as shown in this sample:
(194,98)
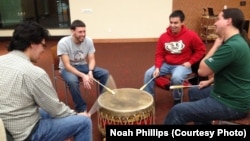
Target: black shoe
(177,102)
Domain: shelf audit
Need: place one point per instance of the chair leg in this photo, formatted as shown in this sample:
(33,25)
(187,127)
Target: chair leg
(97,89)
(66,93)
(182,95)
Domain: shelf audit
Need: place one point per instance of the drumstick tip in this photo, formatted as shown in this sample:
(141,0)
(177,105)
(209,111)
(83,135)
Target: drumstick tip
(111,91)
(142,87)
(171,87)
(176,87)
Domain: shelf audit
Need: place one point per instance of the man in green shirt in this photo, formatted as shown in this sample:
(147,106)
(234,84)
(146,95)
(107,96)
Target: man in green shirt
(228,60)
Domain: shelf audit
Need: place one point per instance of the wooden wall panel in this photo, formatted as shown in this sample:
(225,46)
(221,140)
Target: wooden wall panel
(194,9)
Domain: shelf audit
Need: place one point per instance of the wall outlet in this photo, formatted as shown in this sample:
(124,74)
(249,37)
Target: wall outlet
(87,11)
(242,3)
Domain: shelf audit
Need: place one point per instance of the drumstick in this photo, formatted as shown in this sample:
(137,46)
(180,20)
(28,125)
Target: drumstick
(108,89)
(181,86)
(144,86)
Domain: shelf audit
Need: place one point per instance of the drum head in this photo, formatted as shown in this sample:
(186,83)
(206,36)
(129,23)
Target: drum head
(125,100)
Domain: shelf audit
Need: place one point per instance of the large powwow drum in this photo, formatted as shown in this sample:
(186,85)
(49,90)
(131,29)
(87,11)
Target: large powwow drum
(126,107)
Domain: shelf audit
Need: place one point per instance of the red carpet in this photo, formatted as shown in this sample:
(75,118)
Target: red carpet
(126,62)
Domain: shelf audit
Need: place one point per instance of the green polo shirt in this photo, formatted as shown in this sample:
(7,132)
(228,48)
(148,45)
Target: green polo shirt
(231,64)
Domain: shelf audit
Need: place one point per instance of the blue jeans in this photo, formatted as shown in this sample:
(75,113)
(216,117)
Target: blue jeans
(58,129)
(73,82)
(179,73)
(201,109)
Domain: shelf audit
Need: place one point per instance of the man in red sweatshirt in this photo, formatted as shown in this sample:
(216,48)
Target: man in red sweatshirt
(177,49)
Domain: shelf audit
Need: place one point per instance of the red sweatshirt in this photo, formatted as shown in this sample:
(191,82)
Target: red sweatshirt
(175,49)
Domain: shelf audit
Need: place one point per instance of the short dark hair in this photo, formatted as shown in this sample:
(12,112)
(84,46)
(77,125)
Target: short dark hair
(77,23)
(178,13)
(26,33)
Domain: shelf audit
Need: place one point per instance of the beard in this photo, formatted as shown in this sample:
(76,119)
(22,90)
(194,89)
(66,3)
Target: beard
(79,39)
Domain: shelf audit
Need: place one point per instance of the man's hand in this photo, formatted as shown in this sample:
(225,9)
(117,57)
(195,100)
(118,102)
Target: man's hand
(186,64)
(86,81)
(218,42)
(204,83)
(156,72)
(91,77)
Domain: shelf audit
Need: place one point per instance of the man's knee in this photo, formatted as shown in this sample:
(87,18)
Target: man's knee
(86,122)
(192,92)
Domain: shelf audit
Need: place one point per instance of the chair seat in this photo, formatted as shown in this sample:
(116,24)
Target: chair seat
(186,82)
(168,76)
(59,76)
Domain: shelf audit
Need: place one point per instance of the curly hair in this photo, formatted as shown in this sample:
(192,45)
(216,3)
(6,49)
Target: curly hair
(26,33)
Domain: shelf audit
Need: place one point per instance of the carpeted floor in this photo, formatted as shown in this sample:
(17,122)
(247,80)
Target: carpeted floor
(126,62)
